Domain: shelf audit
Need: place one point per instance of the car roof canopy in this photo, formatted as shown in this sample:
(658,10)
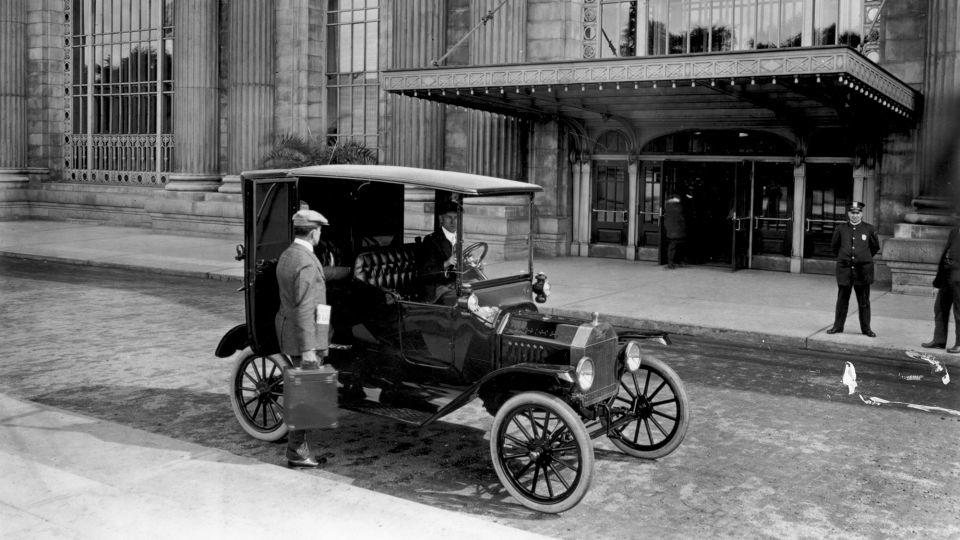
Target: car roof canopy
(456,182)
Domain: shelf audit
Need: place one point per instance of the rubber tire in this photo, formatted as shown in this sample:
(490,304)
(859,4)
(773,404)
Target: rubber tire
(240,360)
(563,412)
(668,445)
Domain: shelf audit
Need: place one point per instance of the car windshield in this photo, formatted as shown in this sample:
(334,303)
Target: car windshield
(503,224)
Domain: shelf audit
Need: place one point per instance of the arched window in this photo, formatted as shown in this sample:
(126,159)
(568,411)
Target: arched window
(612,142)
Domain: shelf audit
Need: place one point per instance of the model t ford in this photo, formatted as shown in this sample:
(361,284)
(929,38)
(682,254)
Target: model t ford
(552,383)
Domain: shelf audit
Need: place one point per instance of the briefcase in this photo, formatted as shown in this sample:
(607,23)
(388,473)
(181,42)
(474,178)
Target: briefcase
(310,398)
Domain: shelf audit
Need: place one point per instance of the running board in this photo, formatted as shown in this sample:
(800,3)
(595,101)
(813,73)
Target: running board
(400,414)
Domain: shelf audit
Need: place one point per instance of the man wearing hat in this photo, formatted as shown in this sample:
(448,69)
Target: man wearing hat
(302,290)
(438,257)
(855,243)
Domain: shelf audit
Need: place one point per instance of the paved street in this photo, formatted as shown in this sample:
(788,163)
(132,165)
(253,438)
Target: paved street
(776,447)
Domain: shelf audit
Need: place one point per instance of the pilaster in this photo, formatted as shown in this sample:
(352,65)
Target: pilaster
(493,145)
(941,90)
(301,96)
(416,131)
(251,67)
(632,196)
(13,94)
(799,216)
(195,110)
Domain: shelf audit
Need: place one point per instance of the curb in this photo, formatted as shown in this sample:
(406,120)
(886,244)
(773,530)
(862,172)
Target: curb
(122,266)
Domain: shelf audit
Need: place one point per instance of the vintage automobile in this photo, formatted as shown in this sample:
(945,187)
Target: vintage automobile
(552,383)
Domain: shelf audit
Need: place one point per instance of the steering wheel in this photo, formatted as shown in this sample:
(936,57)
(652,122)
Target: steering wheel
(473,255)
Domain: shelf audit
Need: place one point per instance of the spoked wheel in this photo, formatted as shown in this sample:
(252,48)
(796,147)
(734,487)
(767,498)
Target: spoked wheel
(256,394)
(542,452)
(651,413)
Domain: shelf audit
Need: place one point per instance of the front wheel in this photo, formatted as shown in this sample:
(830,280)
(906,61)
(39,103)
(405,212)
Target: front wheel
(542,452)
(650,414)
(256,394)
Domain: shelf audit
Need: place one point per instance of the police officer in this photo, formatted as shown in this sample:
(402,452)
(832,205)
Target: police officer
(855,243)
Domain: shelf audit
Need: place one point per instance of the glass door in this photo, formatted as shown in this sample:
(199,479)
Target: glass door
(772,209)
(741,216)
(829,190)
(608,223)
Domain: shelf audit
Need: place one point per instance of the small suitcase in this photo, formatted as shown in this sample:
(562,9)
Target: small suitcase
(310,398)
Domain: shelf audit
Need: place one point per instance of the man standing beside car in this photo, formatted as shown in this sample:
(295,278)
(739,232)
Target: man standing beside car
(302,293)
(855,243)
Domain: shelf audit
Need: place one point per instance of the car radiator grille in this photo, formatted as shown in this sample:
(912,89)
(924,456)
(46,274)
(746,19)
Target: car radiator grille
(604,356)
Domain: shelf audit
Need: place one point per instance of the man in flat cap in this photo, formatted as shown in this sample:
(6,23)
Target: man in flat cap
(855,243)
(302,289)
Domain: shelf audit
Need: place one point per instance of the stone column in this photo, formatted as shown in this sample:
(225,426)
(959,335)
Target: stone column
(632,196)
(195,105)
(583,224)
(799,216)
(941,92)
(13,94)
(250,54)
(301,52)
(493,145)
(416,134)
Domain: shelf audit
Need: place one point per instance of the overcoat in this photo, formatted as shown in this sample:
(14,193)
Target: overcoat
(949,267)
(302,288)
(673,220)
(855,246)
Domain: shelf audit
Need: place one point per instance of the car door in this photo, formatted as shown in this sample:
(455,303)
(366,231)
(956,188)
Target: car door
(269,201)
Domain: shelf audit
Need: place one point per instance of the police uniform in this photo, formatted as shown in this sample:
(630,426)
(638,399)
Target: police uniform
(854,246)
(302,288)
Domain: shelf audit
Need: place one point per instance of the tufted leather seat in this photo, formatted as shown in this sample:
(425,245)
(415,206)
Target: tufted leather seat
(392,268)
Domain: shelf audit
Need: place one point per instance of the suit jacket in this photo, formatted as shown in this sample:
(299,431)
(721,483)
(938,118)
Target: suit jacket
(949,267)
(302,287)
(673,220)
(435,250)
(855,246)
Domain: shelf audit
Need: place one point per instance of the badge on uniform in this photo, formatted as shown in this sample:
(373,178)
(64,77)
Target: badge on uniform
(863,237)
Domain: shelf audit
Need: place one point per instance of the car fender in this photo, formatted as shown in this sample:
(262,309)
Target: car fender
(236,339)
(555,373)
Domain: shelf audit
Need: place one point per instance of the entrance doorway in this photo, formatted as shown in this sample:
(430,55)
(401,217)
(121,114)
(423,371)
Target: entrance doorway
(735,210)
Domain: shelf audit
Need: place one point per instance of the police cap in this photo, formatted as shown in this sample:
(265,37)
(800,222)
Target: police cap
(855,206)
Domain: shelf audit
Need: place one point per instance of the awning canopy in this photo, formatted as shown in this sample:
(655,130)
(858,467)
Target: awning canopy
(806,87)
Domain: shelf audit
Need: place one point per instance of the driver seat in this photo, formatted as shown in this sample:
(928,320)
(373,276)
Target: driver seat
(392,268)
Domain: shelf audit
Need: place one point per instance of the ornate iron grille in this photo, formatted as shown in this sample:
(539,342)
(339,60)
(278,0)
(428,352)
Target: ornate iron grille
(119,91)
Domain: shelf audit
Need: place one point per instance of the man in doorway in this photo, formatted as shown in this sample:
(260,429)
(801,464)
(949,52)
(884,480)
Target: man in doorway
(854,243)
(302,292)
(675,227)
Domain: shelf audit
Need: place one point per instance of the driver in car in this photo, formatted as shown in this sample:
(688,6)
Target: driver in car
(438,258)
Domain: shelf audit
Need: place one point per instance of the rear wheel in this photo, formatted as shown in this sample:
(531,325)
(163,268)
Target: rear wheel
(651,412)
(542,452)
(256,394)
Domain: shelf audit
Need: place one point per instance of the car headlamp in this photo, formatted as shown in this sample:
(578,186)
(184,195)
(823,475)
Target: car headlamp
(585,373)
(631,355)
(541,289)
(473,303)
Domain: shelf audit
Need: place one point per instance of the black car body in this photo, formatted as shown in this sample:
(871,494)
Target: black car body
(544,378)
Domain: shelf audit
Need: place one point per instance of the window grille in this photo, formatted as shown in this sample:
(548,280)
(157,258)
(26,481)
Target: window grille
(353,89)
(119,91)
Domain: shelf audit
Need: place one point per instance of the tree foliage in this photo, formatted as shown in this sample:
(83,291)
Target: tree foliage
(292,151)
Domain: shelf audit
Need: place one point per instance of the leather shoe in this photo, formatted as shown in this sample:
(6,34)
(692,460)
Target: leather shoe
(933,345)
(955,349)
(870,333)
(834,330)
(306,462)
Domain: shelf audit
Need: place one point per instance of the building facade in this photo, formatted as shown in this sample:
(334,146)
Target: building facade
(769,116)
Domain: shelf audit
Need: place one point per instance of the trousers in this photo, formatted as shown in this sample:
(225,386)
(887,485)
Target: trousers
(948,299)
(298,447)
(843,303)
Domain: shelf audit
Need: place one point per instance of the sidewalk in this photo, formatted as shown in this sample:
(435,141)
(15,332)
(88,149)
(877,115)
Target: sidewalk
(759,308)
(57,484)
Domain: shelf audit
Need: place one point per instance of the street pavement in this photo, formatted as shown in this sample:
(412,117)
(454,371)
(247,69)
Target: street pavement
(57,483)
